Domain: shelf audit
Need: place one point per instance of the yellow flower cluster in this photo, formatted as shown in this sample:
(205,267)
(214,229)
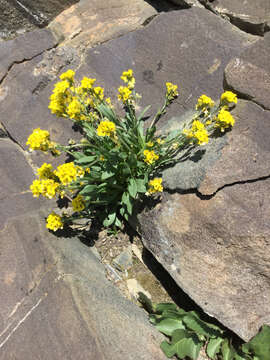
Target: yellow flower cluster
(39,140)
(87,83)
(60,97)
(150,156)
(68,75)
(45,187)
(98,92)
(155,185)
(197,132)
(224,120)
(68,172)
(78,203)
(124,93)
(228,97)
(204,102)
(46,171)
(106,128)
(171,91)
(75,108)
(54,222)
(128,78)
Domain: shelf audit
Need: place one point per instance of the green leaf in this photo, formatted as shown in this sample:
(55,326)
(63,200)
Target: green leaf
(188,347)
(109,219)
(141,187)
(85,160)
(184,344)
(168,349)
(213,347)
(226,351)
(201,327)
(238,356)
(143,112)
(132,188)
(159,308)
(167,326)
(107,174)
(127,201)
(88,189)
(259,345)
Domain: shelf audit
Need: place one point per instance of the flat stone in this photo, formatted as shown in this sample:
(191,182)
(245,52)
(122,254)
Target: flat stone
(251,16)
(23,48)
(246,153)
(56,286)
(218,251)
(249,74)
(193,52)
(124,260)
(94,21)
(17,17)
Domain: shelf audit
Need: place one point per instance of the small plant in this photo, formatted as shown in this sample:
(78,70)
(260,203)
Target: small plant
(117,162)
(188,333)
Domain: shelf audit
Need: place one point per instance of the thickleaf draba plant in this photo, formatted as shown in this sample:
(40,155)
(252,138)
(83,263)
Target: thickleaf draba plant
(117,161)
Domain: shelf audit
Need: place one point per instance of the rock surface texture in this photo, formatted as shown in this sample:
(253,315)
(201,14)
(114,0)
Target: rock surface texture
(56,302)
(16,17)
(251,16)
(210,231)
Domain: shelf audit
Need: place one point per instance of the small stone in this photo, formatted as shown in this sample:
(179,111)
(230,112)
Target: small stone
(124,260)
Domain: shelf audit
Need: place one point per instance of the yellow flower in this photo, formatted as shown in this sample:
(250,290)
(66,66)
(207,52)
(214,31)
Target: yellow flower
(197,132)
(128,78)
(204,102)
(54,222)
(150,144)
(45,171)
(87,83)
(36,188)
(224,120)
(228,97)
(61,87)
(155,185)
(45,187)
(124,93)
(39,140)
(171,91)
(78,203)
(68,75)
(160,141)
(74,109)
(108,101)
(99,92)
(106,128)
(150,156)
(68,172)
(102,158)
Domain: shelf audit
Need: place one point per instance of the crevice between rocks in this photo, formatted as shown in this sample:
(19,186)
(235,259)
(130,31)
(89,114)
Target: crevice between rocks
(210,196)
(179,296)
(23,61)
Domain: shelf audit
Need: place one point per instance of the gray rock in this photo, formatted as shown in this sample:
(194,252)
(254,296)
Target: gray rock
(54,290)
(80,28)
(24,48)
(124,260)
(215,242)
(249,74)
(251,16)
(203,44)
(20,16)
